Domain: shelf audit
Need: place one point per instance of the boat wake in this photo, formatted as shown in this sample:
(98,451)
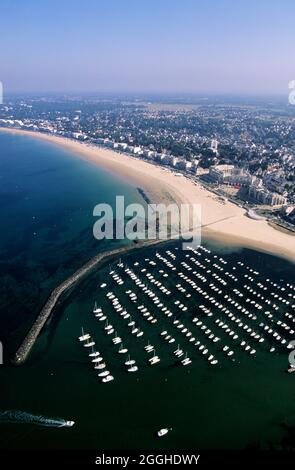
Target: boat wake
(15,416)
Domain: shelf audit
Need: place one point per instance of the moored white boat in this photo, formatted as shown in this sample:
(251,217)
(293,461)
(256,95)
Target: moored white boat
(162,432)
(84,336)
(108,378)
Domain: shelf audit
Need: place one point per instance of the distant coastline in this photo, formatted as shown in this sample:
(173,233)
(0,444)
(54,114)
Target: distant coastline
(226,223)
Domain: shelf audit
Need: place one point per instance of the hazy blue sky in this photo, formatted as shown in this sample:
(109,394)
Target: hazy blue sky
(210,46)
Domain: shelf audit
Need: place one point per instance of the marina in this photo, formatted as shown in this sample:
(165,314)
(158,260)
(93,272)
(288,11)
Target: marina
(177,346)
(24,349)
(219,311)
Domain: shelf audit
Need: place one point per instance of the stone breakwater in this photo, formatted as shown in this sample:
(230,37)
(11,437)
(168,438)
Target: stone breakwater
(25,348)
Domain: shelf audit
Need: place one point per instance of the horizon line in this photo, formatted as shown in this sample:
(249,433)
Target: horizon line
(201,94)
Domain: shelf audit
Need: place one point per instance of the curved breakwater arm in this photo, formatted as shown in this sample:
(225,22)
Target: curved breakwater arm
(24,349)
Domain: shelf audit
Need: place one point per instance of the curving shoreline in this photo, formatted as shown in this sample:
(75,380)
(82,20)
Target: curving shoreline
(227,222)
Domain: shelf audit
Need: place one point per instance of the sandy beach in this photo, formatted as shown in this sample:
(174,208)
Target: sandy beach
(223,222)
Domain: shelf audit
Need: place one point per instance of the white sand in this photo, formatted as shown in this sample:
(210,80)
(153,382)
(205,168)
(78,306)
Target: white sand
(224,222)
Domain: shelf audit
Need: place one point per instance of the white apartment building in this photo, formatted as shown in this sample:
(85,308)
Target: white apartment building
(262,195)
(231,175)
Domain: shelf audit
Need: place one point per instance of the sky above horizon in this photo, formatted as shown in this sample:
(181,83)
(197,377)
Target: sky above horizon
(182,46)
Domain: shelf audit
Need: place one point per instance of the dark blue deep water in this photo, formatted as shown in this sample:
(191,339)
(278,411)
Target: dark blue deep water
(47,197)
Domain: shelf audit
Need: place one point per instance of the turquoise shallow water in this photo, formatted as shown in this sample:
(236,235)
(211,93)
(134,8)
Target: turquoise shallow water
(234,405)
(47,198)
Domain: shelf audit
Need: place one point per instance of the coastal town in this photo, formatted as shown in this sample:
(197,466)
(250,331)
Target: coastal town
(243,153)
(147,289)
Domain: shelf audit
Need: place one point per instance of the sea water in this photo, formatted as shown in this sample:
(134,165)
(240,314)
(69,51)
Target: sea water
(246,404)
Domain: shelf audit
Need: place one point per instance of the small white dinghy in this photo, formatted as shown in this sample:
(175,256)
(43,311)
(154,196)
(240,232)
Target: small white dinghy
(104,373)
(68,424)
(163,432)
(108,378)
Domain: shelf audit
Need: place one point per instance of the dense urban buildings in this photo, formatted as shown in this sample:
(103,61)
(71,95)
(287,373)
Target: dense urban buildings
(249,146)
